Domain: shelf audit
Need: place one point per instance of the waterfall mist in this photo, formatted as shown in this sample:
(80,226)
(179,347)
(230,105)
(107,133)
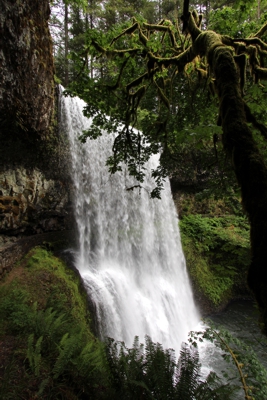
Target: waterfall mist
(130,254)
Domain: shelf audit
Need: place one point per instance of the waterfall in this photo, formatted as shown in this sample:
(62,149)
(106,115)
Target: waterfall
(130,253)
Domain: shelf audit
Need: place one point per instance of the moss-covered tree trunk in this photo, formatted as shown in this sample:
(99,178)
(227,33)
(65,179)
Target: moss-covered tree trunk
(249,168)
(238,141)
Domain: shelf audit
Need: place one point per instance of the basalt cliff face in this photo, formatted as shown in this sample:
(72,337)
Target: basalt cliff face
(26,90)
(34,181)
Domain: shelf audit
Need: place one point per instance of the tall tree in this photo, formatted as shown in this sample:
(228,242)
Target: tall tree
(66,39)
(68,26)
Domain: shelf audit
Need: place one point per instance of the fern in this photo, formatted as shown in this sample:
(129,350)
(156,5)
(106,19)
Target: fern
(187,375)
(51,326)
(69,347)
(34,354)
(152,373)
(44,384)
(189,384)
(91,360)
(159,369)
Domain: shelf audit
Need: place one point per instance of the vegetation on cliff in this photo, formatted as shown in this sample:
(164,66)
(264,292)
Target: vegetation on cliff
(41,302)
(217,252)
(48,351)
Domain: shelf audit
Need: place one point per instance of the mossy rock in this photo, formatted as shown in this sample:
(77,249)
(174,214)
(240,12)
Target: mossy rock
(47,348)
(217,253)
(48,281)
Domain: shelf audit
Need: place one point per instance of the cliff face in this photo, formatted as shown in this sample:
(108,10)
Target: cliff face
(30,203)
(34,179)
(26,63)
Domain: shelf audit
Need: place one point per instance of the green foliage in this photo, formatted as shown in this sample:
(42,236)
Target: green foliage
(151,372)
(135,78)
(250,9)
(228,21)
(250,372)
(61,287)
(34,354)
(189,384)
(217,289)
(64,355)
(49,325)
(209,233)
(15,313)
(174,130)
(217,253)
(61,359)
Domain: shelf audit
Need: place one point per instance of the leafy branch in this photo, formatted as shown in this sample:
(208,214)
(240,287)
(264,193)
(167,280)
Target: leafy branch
(252,374)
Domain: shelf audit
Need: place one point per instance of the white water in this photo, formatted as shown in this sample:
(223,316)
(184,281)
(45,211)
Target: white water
(130,254)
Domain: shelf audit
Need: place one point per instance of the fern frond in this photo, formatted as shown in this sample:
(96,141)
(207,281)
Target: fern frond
(187,376)
(69,348)
(34,354)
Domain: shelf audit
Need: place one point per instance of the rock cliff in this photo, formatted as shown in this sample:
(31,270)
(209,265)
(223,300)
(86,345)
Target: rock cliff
(34,180)
(27,69)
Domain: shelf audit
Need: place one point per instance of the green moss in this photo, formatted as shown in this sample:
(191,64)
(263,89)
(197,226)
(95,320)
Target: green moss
(59,286)
(215,287)
(45,279)
(217,254)
(45,331)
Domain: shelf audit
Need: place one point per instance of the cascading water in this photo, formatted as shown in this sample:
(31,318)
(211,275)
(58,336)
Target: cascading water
(130,254)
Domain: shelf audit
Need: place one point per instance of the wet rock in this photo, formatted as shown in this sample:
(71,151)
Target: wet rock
(36,205)
(35,186)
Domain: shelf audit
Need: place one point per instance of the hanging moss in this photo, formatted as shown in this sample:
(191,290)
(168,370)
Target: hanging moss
(248,164)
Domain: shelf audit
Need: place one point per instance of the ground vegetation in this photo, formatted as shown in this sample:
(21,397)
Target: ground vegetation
(48,350)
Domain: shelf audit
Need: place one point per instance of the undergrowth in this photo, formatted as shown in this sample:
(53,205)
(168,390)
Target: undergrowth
(48,352)
(217,252)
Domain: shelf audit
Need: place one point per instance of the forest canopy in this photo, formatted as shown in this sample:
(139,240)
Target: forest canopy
(186,83)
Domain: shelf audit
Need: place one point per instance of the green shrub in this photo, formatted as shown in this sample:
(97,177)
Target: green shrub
(15,312)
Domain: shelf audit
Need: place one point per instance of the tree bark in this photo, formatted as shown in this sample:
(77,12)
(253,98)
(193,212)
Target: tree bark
(66,39)
(27,68)
(248,164)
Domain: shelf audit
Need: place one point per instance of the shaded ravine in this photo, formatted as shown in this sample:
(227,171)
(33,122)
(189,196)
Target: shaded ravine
(130,255)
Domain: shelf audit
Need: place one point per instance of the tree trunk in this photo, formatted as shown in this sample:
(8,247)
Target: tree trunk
(66,38)
(248,164)
(249,168)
